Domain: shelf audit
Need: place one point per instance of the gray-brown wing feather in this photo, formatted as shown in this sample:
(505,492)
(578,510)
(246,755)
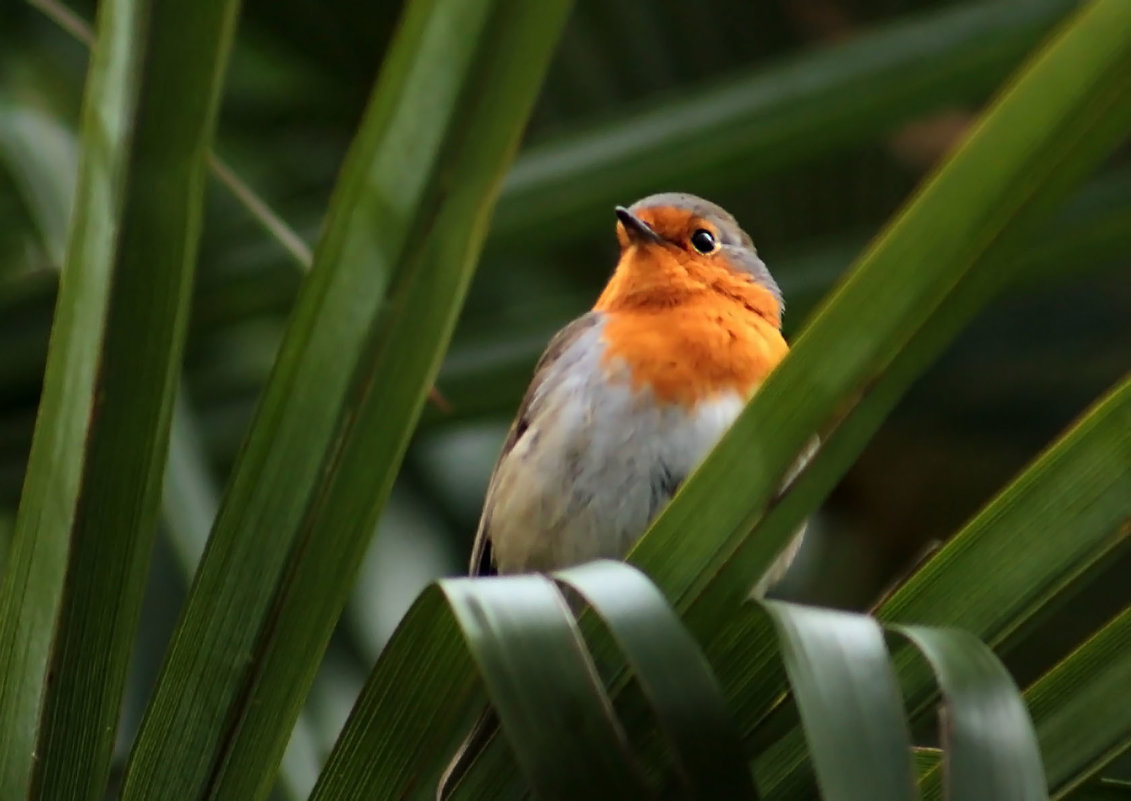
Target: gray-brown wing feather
(482,563)
(481,559)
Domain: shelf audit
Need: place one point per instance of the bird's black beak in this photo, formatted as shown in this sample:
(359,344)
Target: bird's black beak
(636,228)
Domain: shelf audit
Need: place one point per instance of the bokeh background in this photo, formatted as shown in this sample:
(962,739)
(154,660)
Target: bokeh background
(811,120)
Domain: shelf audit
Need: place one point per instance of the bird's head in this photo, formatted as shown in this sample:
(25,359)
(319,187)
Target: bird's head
(674,246)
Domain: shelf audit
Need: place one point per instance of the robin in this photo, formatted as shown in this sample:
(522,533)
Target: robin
(628,399)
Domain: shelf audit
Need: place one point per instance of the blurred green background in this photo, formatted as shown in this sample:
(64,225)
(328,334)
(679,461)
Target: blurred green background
(810,120)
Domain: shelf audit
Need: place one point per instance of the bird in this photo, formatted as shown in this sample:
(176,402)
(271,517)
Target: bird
(629,398)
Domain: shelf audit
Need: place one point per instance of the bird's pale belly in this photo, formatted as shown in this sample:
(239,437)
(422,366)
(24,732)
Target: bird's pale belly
(588,476)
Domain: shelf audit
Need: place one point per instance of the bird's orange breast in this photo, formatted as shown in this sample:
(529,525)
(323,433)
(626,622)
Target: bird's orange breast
(688,328)
(693,351)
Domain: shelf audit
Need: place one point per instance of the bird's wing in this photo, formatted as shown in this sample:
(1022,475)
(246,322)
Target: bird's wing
(482,563)
(481,560)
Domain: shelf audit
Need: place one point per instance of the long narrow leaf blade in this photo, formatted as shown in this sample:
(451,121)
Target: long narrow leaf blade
(848,696)
(733,132)
(1080,724)
(189,502)
(362,346)
(1059,517)
(256,206)
(520,634)
(990,748)
(680,688)
(71,598)
(1078,727)
(411,714)
(1063,509)
(533,660)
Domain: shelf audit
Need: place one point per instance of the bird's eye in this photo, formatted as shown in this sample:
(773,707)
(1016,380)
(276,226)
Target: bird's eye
(703,241)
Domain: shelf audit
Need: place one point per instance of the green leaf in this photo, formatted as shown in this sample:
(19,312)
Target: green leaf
(188,508)
(14,144)
(926,760)
(412,713)
(363,344)
(1079,728)
(990,748)
(532,659)
(1027,548)
(676,680)
(1077,707)
(848,696)
(524,649)
(70,600)
(734,131)
(554,712)
(1055,520)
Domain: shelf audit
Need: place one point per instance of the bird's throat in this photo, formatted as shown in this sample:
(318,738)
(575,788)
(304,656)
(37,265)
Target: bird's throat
(699,348)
